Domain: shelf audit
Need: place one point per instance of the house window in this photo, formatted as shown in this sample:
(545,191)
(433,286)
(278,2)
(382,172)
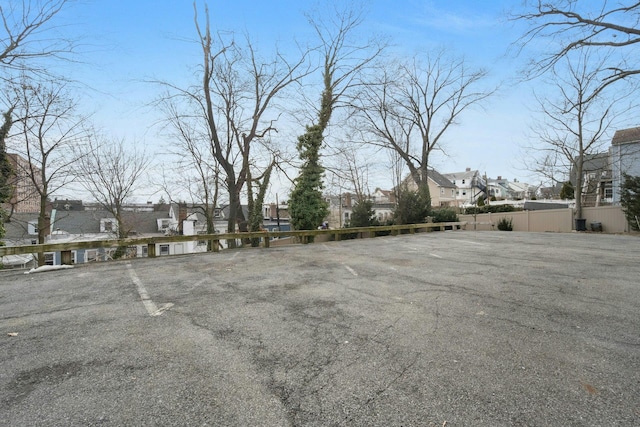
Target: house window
(91,255)
(107,225)
(453,192)
(608,193)
(49,258)
(464,193)
(346,215)
(442,191)
(33,228)
(457,193)
(145,250)
(202,242)
(164,249)
(463,181)
(216,213)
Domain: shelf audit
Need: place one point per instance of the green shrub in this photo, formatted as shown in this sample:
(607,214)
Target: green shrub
(630,199)
(505,224)
(567,191)
(445,215)
(413,206)
(363,215)
(489,209)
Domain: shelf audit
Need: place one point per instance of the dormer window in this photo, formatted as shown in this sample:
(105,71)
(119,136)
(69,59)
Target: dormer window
(108,225)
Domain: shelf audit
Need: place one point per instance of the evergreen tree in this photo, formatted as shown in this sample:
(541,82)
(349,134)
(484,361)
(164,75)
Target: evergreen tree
(413,206)
(567,192)
(307,206)
(630,200)
(363,215)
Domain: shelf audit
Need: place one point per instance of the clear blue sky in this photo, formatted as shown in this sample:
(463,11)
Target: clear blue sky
(129,41)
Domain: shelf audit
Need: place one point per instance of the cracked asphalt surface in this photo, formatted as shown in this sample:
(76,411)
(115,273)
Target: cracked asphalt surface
(448,328)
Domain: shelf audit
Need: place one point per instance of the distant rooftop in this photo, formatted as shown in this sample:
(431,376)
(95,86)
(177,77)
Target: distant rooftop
(626,136)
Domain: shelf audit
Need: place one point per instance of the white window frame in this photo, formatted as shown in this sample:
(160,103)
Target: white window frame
(49,258)
(32,228)
(164,248)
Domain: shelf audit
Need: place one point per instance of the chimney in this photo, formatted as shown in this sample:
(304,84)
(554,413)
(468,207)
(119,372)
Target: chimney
(182,215)
(499,178)
(468,170)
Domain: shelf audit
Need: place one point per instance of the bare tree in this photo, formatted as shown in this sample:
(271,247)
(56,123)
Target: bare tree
(111,172)
(412,105)
(22,34)
(233,106)
(47,136)
(196,169)
(351,167)
(570,26)
(22,44)
(575,120)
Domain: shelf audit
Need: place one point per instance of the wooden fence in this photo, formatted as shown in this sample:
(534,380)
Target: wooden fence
(610,218)
(301,236)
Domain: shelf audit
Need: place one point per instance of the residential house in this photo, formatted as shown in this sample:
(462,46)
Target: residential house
(74,223)
(276,217)
(499,188)
(624,158)
(340,209)
(521,190)
(384,204)
(469,186)
(596,179)
(441,188)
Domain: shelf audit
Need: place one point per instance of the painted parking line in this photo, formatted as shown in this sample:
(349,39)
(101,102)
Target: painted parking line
(435,256)
(351,270)
(152,308)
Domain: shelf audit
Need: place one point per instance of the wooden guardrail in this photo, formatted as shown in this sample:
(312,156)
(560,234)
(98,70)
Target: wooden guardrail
(304,236)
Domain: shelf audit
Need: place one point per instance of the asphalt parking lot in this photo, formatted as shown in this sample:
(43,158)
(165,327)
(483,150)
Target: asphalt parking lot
(435,329)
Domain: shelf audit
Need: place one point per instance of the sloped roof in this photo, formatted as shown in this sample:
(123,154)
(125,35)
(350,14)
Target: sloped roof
(470,174)
(625,136)
(595,162)
(85,222)
(78,222)
(17,228)
(440,179)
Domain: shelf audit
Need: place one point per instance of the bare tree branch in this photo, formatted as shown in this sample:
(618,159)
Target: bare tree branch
(412,105)
(570,26)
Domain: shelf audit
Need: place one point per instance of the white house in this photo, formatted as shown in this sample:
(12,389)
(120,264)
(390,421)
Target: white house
(625,158)
(469,185)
